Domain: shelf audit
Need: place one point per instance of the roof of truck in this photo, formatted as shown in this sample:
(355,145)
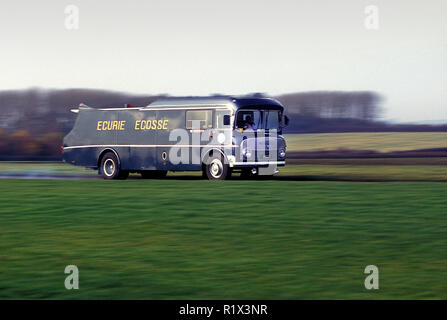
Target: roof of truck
(210,101)
(237,102)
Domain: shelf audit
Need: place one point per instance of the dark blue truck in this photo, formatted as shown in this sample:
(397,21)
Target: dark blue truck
(217,135)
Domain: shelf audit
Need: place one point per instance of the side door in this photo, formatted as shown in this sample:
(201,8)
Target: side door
(170,123)
(246,138)
(200,124)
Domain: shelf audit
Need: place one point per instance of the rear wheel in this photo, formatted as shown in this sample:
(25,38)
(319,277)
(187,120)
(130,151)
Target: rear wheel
(153,174)
(216,168)
(110,167)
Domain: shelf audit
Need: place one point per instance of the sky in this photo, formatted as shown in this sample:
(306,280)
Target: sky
(201,47)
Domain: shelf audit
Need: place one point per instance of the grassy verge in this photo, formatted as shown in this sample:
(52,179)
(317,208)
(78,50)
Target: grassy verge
(191,239)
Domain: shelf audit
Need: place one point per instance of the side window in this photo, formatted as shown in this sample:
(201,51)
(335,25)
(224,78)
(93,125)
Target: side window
(199,119)
(223,119)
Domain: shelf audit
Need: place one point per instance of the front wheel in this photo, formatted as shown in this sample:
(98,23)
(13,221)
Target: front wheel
(216,168)
(110,168)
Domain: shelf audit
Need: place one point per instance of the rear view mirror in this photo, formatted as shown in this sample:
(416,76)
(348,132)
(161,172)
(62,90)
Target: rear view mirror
(226,120)
(286,120)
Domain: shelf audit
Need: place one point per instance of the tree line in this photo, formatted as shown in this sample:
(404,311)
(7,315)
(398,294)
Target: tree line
(363,105)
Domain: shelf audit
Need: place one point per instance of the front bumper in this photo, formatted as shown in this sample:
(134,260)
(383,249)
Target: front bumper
(258,164)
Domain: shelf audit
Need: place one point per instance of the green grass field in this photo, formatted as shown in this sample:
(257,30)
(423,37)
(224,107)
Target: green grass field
(379,141)
(194,239)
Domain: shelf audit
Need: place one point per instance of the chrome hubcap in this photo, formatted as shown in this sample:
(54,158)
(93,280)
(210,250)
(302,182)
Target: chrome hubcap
(216,168)
(109,167)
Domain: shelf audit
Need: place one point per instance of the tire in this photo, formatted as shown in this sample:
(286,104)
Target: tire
(216,168)
(110,168)
(154,174)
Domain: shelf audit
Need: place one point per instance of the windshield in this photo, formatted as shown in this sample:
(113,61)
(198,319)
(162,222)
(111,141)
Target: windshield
(248,119)
(258,119)
(271,119)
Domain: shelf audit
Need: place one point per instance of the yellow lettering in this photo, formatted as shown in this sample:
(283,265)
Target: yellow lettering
(115,125)
(147,125)
(122,124)
(98,126)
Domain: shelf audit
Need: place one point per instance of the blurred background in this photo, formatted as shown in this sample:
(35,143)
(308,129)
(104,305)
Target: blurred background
(345,67)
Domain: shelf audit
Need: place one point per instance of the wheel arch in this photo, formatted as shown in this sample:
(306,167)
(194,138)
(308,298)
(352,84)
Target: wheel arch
(209,152)
(103,152)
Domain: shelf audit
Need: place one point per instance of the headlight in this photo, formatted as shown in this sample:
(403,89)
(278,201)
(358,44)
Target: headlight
(282,153)
(221,138)
(246,153)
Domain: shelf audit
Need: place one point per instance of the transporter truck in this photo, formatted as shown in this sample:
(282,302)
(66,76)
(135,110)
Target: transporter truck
(215,135)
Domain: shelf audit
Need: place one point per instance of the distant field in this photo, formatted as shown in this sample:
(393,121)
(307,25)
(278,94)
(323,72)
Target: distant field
(379,141)
(191,239)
